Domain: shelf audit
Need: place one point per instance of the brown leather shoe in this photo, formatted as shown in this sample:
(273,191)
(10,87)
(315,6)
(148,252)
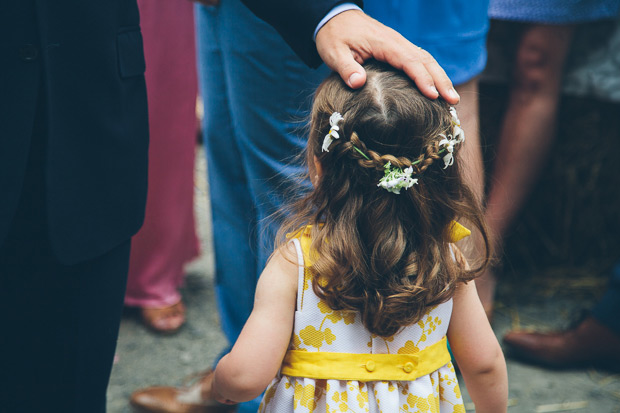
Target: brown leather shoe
(168,399)
(166,320)
(590,343)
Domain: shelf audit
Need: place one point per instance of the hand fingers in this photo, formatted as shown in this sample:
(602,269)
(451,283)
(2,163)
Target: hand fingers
(442,82)
(423,80)
(351,37)
(340,59)
(424,70)
(416,62)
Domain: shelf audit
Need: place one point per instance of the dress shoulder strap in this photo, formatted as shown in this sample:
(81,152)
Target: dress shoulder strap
(458,232)
(301,273)
(303,241)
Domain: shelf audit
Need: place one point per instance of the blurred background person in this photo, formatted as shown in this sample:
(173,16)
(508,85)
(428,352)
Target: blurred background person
(529,123)
(168,238)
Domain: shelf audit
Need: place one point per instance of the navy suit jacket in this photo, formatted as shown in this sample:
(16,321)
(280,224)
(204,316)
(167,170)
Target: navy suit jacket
(296,21)
(82,61)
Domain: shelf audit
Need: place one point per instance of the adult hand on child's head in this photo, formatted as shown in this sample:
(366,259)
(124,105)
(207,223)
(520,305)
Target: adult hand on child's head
(352,37)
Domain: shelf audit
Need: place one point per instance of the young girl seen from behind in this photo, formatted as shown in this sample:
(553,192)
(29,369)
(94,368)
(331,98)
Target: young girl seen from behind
(354,310)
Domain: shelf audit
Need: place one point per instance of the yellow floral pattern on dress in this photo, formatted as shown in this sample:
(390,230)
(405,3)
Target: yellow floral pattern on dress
(271,391)
(459,409)
(318,328)
(334,316)
(315,338)
(296,343)
(341,399)
(419,404)
(428,324)
(409,348)
(362,396)
(451,381)
(304,396)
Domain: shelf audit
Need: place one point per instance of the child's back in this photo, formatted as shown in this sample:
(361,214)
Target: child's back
(335,364)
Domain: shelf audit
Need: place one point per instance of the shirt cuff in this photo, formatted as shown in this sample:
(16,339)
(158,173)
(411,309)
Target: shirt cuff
(335,11)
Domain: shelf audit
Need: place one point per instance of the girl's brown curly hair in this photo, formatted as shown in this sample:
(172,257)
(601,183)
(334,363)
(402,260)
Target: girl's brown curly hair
(384,255)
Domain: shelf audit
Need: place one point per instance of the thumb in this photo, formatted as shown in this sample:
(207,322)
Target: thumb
(354,76)
(341,60)
(350,71)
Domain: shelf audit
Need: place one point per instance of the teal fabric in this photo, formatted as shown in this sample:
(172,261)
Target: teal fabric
(453,31)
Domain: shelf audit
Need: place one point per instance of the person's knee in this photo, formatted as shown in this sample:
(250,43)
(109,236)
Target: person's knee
(534,68)
(540,59)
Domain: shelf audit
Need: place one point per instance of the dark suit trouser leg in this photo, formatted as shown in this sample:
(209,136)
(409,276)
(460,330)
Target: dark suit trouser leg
(59,323)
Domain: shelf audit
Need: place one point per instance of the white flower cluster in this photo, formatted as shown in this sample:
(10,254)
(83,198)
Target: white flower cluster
(333,131)
(395,179)
(448,142)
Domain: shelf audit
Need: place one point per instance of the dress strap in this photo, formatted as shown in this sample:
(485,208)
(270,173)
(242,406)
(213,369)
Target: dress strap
(366,367)
(458,232)
(301,275)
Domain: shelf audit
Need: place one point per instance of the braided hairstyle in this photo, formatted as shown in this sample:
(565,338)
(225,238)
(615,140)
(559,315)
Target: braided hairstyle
(384,255)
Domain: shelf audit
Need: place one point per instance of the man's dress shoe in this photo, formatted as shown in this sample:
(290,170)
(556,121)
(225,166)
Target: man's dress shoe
(588,344)
(168,399)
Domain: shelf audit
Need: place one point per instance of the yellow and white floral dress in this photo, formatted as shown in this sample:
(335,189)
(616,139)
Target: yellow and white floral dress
(334,364)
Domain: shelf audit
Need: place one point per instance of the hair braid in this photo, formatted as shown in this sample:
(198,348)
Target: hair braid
(431,153)
(376,160)
(356,149)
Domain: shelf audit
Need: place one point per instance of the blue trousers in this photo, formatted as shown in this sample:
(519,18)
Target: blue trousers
(607,310)
(257,95)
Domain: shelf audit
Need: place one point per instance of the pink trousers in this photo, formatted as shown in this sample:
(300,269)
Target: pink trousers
(168,238)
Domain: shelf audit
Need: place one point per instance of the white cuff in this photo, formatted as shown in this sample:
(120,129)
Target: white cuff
(335,11)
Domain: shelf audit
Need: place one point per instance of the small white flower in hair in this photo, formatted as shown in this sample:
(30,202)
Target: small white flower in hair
(453,113)
(448,145)
(395,179)
(333,131)
(458,132)
(448,142)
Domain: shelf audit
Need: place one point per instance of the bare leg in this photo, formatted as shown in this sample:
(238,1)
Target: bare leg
(471,153)
(527,131)
(471,158)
